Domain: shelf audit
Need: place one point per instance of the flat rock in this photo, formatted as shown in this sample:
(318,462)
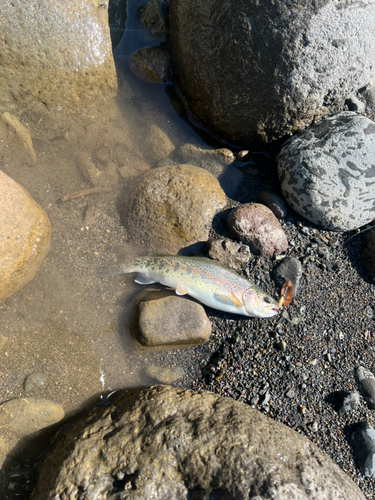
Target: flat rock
(25,233)
(256,225)
(164,321)
(327,172)
(23,135)
(363,439)
(366,384)
(261,70)
(172,207)
(26,415)
(172,443)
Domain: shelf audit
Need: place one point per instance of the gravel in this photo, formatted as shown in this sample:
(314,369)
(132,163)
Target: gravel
(292,367)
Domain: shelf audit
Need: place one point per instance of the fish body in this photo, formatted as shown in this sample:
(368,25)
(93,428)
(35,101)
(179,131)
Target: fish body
(205,280)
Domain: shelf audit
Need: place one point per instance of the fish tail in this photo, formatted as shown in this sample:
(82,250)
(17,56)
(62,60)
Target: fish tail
(128,266)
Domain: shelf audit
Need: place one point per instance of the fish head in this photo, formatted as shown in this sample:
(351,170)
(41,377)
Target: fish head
(259,304)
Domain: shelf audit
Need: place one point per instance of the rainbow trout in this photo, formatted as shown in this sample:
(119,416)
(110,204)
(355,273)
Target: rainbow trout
(205,280)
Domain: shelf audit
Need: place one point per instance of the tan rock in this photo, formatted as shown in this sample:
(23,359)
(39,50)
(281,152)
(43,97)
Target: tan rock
(57,53)
(27,415)
(25,233)
(172,207)
(22,133)
(164,321)
(165,443)
(159,144)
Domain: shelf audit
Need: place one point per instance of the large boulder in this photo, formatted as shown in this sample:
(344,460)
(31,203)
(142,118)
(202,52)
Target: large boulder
(260,70)
(171,443)
(25,233)
(327,172)
(172,207)
(59,53)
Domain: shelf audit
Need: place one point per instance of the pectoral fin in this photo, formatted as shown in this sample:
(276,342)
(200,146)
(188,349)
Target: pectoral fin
(231,300)
(180,290)
(143,279)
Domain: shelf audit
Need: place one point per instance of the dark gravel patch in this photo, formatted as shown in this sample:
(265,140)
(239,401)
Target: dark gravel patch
(292,367)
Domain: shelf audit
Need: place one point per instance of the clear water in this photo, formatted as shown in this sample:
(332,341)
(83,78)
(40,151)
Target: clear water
(69,323)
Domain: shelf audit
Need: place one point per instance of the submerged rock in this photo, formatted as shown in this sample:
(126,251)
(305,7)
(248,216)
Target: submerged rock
(151,64)
(255,225)
(154,16)
(27,415)
(172,207)
(165,443)
(327,174)
(25,233)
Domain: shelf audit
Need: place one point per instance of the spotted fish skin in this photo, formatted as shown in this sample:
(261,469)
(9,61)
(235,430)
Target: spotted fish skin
(205,280)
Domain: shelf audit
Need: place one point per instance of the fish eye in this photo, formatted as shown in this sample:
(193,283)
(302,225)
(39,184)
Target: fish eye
(267,300)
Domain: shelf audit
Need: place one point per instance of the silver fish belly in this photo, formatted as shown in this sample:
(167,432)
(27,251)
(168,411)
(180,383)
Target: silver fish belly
(205,280)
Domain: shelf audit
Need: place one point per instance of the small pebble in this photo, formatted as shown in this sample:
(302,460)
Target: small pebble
(34,380)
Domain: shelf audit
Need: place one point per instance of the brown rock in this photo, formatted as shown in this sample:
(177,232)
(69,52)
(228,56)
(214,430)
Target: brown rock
(172,443)
(255,225)
(27,415)
(164,321)
(151,64)
(172,207)
(25,233)
(57,53)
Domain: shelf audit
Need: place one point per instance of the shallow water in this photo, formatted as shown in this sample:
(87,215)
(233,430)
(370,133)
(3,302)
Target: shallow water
(69,323)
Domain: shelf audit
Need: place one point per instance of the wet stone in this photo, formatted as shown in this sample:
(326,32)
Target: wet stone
(164,375)
(363,440)
(34,380)
(3,341)
(366,384)
(164,321)
(151,64)
(26,415)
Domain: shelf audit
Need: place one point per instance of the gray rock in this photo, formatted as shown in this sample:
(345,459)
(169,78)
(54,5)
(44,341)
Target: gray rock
(354,104)
(229,253)
(56,53)
(151,64)
(346,401)
(363,439)
(166,443)
(172,207)
(366,384)
(274,202)
(327,172)
(164,321)
(255,225)
(368,252)
(289,269)
(34,380)
(154,16)
(250,69)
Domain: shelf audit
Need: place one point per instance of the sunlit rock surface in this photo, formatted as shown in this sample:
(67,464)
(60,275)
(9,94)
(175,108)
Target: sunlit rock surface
(260,70)
(25,233)
(163,443)
(172,207)
(59,53)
